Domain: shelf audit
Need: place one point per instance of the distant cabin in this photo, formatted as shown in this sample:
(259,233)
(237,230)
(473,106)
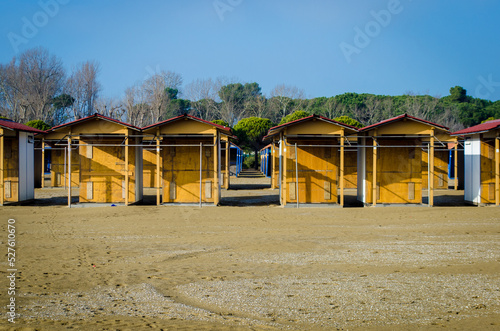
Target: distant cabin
(482,163)
(308,159)
(190,161)
(398,159)
(100,155)
(17,162)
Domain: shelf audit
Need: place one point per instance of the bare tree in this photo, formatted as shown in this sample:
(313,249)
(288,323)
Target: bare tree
(203,95)
(135,106)
(109,107)
(282,97)
(148,102)
(257,107)
(29,84)
(374,107)
(421,106)
(11,97)
(333,108)
(83,86)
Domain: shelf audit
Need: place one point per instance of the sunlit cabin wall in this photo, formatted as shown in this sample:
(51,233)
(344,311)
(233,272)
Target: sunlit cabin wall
(149,166)
(11,169)
(103,171)
(441,159)
(351,170)
(399,172)
(487,169)
(181,171)
(318,171)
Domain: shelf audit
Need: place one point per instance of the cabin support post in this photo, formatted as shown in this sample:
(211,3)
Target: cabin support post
(69,170)
(201,173)
(158,168)
(216,168)
(296,175)
(285,161)
(374,170)
(273,165)
(456,164)
(43,162)
(497,170)
(126,169)
(431,169)
(342,167)
(65,167)
(280,174)
(2,166)
(226,180)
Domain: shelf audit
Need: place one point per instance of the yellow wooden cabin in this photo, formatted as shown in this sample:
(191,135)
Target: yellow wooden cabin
(17,162)
(109,159)
(59,164)
(192,156)
(149,166)
(482,163)
(441,160)
(390,160)
(311,152)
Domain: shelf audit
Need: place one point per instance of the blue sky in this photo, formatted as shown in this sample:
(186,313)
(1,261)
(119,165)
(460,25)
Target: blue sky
(325,47)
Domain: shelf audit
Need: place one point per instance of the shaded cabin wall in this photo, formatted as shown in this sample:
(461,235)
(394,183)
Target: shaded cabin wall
(233,164)
(38,175)
(11,169)
(488,171)
(223,159)
(58,177)
(181,171)
(318,169)
(350,169)
(441,159)
(149,167)
(103,172)
(399,172)
(275,171)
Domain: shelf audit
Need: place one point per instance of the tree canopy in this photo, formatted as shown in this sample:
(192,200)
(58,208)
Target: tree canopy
(250,132)
(298,114)
(38,124)
(349,121)
(35,86)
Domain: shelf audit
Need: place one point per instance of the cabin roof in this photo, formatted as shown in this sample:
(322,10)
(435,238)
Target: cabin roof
(483,127)
(276,129)
(7,124)
(400,118)
(223,128)
(95,116)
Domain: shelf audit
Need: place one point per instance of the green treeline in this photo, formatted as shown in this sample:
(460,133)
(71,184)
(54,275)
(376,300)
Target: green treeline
(36,86)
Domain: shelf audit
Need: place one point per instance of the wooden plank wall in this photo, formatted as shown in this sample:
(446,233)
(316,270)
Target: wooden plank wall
(275,172)
(441,159)
(318,173)
(399,172)
(223,170)
(11,169)
(149,167)
(488,171)
(351,169)
(103,172)
(181,171)
(57,175)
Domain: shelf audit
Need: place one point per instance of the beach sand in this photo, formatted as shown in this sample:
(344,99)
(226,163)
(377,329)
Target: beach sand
(253,268)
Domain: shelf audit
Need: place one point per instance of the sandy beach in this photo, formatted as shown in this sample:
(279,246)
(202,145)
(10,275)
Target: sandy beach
(253,268)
